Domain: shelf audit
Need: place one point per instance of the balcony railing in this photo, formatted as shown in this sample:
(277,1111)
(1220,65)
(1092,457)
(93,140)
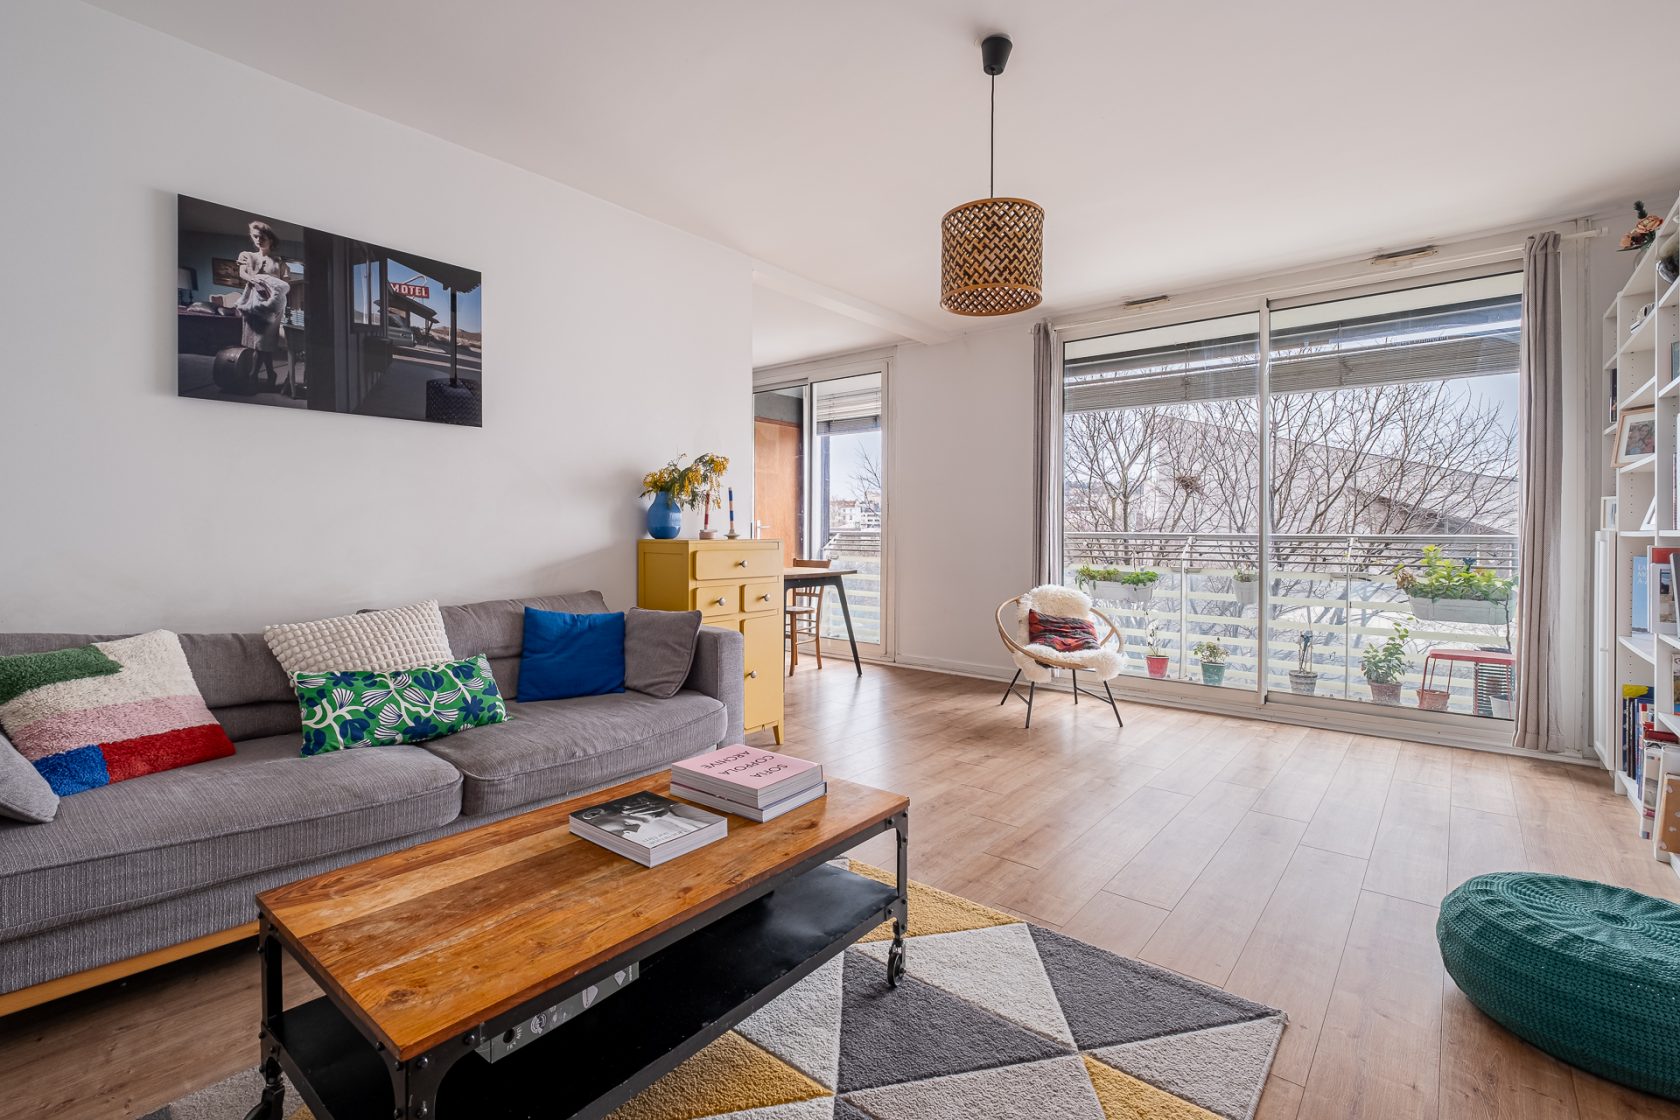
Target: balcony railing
(1342,589)
(860,549)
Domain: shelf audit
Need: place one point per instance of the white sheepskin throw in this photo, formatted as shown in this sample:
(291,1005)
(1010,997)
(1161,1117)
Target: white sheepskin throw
(1068,602)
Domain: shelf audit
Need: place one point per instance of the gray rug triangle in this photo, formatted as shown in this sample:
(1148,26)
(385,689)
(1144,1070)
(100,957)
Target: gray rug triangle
(1110,999)
(802,1025)
(997,968)
(844,1111)
(1034,1091)
(915,1031)
(1223,1069)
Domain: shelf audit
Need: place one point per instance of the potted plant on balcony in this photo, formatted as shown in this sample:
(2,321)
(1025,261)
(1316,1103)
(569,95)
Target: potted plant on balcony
(1384,665)
(1303,679)
(1103,583)
(1155,651)
(1212,655)
(1445,590)
(1138,588)
(1245,585)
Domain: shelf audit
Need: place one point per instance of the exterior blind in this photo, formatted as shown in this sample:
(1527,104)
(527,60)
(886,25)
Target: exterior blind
(1475,339)
(850,410)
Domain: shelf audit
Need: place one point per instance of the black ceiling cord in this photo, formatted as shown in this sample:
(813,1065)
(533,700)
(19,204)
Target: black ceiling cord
(994,55)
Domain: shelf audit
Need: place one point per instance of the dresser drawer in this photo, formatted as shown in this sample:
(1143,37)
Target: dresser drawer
(738,561)
(761,596)
(713,600)
(763,665)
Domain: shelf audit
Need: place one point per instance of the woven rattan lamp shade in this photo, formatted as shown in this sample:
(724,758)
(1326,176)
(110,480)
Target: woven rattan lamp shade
(992,257)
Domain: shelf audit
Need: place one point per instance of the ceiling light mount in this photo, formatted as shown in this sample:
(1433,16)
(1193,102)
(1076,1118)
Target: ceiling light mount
(992,249)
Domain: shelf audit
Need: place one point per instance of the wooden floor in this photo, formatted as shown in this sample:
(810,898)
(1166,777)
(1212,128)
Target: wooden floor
(1297,867)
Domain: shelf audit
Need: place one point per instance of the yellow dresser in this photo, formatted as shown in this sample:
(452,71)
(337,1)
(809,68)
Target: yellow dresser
(733,584)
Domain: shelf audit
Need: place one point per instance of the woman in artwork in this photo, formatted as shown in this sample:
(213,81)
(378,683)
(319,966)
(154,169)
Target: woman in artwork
(262,306)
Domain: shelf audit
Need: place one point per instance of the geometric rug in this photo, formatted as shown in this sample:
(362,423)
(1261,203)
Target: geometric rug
(995,1018)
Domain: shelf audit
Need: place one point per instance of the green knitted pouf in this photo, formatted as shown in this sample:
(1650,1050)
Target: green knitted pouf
(1587,972)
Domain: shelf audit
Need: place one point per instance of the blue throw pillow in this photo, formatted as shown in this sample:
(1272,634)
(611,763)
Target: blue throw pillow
(571,655)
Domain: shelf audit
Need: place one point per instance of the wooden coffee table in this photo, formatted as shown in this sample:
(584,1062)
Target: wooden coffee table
(426,953)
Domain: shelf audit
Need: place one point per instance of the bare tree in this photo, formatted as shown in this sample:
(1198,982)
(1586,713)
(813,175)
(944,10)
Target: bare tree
(866,479)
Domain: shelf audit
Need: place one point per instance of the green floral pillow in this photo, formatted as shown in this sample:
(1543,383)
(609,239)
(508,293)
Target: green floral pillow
(362,709)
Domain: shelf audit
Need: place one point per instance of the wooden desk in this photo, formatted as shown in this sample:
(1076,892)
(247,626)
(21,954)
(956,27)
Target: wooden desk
(826,577)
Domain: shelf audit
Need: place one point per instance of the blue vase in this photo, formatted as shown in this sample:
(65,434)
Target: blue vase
(664,518)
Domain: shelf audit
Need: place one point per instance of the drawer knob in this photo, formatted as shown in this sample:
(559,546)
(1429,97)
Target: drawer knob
(719,601)
(764,598)
(740,563)
(753,674)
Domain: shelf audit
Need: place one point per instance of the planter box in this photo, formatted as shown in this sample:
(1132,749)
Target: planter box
(1137,594)
(1248,594)
(1478,612)
(1107,592)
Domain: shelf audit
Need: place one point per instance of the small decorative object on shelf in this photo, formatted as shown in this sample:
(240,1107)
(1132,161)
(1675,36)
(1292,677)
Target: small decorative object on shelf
(1668,266)
(1639,319)
(1643,230)
(1385,665)
(1245,586)
(1155,651)
(732,534)
(1212,655)
(678,486)
(1303,679)
(1636,434)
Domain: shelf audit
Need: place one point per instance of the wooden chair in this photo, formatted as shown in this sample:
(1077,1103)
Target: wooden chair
(804,616)
(1040,663)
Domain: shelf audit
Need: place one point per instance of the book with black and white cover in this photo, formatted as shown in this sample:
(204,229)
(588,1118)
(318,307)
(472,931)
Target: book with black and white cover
(747,775)
(648,828)
(751,812)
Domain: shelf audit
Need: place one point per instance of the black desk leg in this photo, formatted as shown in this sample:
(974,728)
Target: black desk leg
(846,611)
(901,908)
(272,1105)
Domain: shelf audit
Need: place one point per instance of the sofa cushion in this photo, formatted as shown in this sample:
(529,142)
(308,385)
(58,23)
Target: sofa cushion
(659,650)
(264,807)
(496,627)
(556,747)
(24,794)
(569,655)
(345,710)
(378,641)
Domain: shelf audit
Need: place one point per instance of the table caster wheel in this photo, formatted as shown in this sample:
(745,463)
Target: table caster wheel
(895,965)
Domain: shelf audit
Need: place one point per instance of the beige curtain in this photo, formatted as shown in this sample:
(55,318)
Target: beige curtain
(1540,401)
(1047,459)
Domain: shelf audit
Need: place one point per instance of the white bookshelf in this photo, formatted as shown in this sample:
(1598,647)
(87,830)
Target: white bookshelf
(1637,353)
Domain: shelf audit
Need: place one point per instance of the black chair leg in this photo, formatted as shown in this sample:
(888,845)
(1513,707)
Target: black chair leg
(1010,691)
(1032,688)
(1076,688)
(1113,705)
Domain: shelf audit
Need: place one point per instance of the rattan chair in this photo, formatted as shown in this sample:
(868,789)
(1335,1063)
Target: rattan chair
(1039,664)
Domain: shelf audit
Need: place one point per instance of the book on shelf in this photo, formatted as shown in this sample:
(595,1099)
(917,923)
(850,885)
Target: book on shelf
(1639,596)
(749,776)
(1661,577)
(1636,707)
(752,812)
(648,828)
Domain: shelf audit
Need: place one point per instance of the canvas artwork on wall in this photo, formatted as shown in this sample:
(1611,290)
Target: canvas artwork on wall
(273,313)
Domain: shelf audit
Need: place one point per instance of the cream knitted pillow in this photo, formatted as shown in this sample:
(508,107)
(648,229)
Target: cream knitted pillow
(378,641)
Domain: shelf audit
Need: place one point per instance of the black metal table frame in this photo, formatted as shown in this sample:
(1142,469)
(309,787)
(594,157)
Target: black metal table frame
(415,1082)
(836,580)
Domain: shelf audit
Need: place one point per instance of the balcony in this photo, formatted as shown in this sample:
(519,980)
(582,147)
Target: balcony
(1342,590)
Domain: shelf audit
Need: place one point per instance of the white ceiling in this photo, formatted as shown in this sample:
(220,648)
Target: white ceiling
(1171,144)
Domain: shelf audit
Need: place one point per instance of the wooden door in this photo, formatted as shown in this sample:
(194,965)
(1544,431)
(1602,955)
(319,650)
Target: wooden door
(777,483)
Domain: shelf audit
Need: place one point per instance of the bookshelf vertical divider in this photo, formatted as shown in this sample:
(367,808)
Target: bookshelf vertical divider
(1641,356)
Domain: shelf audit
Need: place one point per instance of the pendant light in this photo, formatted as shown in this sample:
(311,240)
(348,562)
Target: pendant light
(992,249)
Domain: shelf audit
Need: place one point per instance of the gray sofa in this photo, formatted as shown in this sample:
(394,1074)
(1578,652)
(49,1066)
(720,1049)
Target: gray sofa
(153,862)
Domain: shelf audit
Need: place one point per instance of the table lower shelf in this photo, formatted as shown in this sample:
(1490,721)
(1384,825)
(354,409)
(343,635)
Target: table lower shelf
(688,994)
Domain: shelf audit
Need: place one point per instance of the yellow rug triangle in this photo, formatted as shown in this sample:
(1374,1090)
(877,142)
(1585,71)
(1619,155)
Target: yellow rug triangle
(730,1075)
(1127,1098)
(934,911)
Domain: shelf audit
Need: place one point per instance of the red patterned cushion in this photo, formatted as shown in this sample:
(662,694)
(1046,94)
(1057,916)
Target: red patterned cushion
(1060,633)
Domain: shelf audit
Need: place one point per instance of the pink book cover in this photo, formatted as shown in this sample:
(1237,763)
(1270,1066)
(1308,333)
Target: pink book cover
(740,765)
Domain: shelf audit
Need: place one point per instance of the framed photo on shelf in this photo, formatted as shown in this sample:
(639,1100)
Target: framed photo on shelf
(1663,615)
(1650,519)
(1636,434)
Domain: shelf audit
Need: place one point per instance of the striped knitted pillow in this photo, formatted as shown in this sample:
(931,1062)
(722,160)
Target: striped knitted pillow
(100,713)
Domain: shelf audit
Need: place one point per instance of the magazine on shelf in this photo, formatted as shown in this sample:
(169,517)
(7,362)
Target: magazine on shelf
(746,775)
(648,828)
(1662,590)
(1639,598)
(752,813)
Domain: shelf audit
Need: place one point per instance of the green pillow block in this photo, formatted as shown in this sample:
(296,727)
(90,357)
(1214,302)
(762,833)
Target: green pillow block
(357,708)
(1587,972)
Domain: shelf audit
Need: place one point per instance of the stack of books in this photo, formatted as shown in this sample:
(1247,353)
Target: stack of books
(748,781)
(648,828)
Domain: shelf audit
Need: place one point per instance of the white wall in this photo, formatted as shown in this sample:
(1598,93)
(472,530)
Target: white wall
(960,485)
(612,343)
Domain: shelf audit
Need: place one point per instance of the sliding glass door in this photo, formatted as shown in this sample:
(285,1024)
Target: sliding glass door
(1363,549)
(819,485)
